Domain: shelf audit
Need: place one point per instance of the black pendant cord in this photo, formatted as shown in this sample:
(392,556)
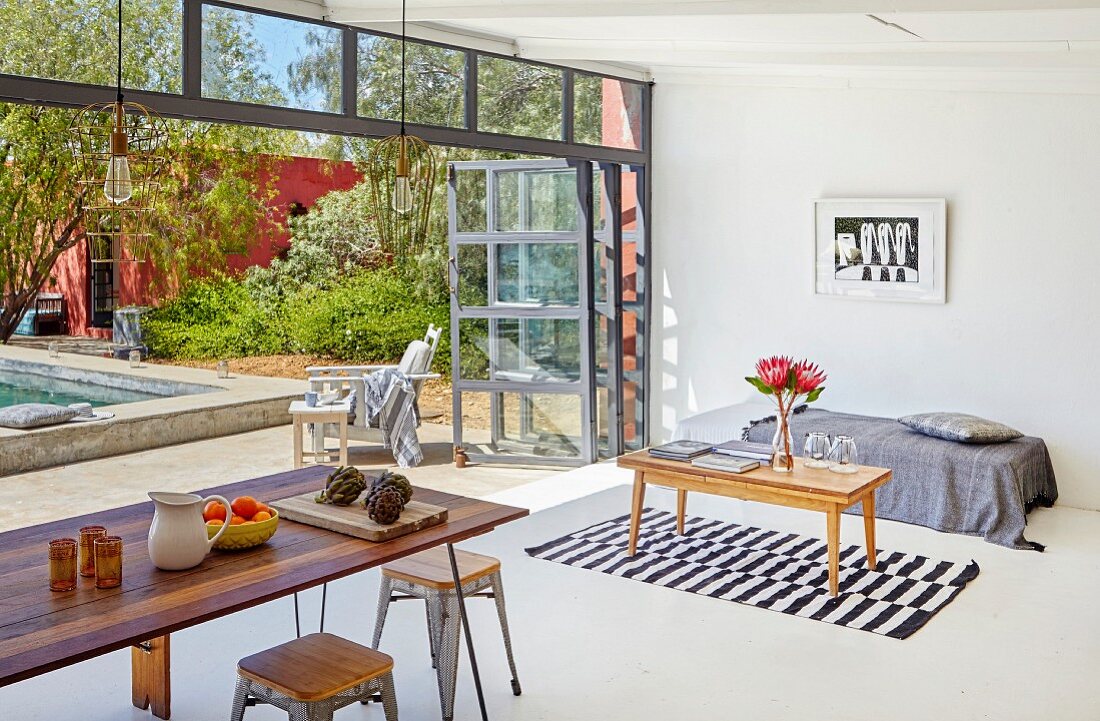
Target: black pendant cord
(402,67)
(119,76)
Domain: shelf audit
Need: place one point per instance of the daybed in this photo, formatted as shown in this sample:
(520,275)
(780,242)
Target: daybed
(975,489)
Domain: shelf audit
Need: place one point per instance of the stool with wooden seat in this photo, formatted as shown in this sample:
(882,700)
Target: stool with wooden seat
(312,676)
(428,576)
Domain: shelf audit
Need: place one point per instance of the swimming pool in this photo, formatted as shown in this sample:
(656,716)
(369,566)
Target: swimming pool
(29,388)
(25,382)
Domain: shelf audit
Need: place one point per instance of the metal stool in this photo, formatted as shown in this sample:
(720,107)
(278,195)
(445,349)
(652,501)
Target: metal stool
(428,576)
(312,676)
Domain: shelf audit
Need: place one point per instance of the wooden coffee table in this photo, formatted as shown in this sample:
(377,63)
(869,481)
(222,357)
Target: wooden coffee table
(810,488)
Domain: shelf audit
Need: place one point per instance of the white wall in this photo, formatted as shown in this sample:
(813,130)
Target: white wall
(735,171)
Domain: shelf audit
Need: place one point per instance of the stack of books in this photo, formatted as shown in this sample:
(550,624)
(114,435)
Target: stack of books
(745,450)
(727,464)
(681,450)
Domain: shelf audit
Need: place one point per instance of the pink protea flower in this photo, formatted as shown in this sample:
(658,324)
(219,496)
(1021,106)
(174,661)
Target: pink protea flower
(808,377)
(774,371)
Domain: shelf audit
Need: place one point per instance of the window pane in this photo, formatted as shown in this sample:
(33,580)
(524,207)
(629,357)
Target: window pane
(75,40)
(470,201)
(473,274)
(607,112)
(435,82)
(517,98)
(536,201)
(513,423)
(537,273)
(255,58)
(543,350)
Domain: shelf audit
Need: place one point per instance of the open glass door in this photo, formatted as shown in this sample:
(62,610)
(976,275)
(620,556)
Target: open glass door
(521,318)
(607,309)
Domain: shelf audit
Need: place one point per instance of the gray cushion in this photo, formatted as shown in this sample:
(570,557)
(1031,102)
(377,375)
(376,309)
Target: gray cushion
(960,427)
(34,415)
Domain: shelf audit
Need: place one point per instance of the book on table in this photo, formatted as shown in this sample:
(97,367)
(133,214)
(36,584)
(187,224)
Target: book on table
(744,449)
(681,450)
(728,464)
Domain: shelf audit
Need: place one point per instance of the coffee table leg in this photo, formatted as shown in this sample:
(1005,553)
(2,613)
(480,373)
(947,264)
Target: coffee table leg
(636,511)
(869,527)
(681,510)
(833,538)
(151,677)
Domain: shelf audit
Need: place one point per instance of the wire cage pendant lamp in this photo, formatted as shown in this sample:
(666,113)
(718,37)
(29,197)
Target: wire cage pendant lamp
(401,170)
(119,149)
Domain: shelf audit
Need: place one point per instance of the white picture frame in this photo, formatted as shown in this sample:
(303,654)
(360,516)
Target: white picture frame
(906,239)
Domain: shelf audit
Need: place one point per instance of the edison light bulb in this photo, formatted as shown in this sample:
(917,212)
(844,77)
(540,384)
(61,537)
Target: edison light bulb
(402,194)
(118,188)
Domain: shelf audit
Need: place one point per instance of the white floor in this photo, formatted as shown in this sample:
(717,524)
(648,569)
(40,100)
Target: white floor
(1022,642)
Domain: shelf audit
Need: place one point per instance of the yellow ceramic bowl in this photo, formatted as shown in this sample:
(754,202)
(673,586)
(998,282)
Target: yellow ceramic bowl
(246,535)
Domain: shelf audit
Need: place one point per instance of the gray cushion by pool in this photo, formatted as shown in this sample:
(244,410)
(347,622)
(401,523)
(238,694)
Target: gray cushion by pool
(34,415)
(960,427)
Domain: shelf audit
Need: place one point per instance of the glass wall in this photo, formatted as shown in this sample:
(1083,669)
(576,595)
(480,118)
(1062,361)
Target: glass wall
(81,45)
(435,79)
(517,98)
(607,111)
(268,60)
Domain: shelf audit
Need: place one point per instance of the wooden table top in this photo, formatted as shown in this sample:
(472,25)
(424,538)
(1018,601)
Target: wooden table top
(41,630)
(813,482)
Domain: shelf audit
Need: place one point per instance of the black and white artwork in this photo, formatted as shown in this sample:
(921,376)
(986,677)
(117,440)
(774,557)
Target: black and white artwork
(881,249)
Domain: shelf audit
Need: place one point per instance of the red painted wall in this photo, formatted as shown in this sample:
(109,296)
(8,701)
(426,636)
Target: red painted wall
(298,180)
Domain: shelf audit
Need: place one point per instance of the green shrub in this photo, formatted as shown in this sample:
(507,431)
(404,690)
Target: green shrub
(368,316)
(213,318)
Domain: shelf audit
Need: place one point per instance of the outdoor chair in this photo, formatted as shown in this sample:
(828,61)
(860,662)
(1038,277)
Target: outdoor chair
(49,308)
(415,364)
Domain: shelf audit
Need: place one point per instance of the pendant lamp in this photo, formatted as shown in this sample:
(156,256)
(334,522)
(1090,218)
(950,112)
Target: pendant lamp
(120,153)
(401,171)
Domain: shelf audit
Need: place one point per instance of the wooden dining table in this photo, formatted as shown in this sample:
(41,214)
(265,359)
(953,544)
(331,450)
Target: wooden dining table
(41,630)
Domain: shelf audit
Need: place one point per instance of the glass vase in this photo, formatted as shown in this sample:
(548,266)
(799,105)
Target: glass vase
(783,443)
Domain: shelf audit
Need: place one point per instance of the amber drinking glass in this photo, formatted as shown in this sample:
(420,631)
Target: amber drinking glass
(88,534)
(108,562)
(62,564)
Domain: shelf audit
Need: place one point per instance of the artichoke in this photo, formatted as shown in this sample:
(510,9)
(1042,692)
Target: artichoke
(396,481)
(385,506)
(343,487)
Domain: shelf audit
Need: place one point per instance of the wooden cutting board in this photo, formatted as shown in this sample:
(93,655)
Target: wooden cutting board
(353,520)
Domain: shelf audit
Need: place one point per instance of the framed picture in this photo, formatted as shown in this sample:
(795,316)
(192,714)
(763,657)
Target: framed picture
(881,249)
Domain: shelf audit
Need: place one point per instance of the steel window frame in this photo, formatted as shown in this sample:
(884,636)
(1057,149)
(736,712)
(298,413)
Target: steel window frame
(190,105)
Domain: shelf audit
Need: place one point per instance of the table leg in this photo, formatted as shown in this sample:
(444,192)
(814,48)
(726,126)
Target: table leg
(833,539)
(344,442)
(636,511)
(681,510)
(869,527)
(297,423)
(150,676)
(466,628)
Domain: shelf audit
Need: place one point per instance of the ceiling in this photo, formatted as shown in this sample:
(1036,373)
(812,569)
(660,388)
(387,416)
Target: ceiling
(1029,44)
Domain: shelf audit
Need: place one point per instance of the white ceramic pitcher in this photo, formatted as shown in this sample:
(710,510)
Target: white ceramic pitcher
(177,538)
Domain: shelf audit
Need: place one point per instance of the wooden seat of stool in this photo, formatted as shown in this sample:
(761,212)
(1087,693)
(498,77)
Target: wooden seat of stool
(314,667)
(432,568)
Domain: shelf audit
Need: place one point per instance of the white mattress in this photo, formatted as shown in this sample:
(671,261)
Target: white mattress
(722,424)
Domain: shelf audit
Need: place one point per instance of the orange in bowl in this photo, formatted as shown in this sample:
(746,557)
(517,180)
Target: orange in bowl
(244,534)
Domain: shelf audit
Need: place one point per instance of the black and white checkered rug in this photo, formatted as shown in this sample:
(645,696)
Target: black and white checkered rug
(782,572)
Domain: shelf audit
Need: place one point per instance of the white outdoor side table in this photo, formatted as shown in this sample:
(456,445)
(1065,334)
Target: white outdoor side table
(301,414)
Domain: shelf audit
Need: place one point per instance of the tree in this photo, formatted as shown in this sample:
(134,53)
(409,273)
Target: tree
(39,211)
(214,194)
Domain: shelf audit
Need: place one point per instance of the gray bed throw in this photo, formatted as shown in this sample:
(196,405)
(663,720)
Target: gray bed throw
(978,490)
